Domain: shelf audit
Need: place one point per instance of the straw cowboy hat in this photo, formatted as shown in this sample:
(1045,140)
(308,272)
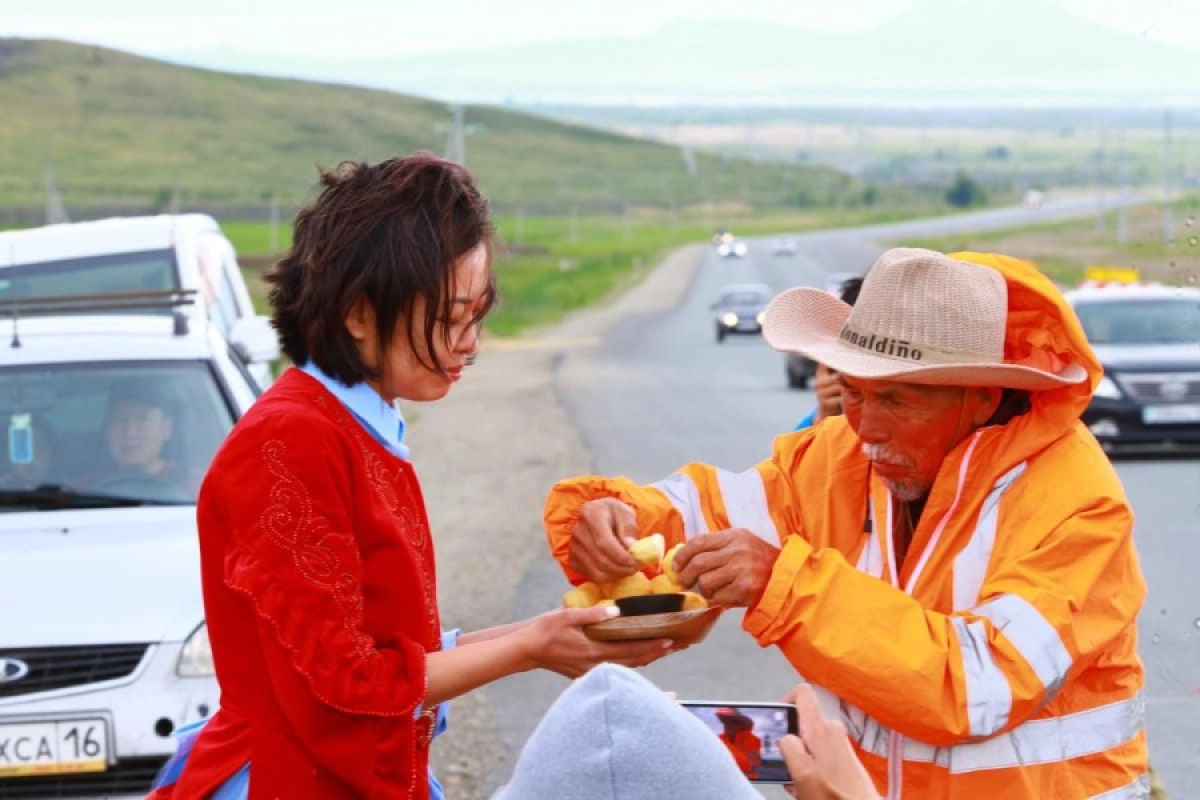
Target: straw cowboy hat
(921,317)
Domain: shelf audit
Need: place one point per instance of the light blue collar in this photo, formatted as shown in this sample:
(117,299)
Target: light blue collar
(383,421)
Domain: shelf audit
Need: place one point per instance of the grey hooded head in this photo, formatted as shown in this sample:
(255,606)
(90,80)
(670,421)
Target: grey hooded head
(613,735)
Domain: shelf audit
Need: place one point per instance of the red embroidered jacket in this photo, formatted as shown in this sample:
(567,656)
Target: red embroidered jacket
(321,603)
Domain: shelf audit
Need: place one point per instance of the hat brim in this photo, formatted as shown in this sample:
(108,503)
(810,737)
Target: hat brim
(809,322)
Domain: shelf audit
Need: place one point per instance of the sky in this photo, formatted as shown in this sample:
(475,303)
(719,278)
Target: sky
(355,29)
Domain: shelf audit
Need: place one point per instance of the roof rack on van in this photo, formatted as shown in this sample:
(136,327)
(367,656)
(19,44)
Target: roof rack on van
(101,301)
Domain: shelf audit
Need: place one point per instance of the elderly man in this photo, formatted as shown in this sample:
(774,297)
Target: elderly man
(951,561)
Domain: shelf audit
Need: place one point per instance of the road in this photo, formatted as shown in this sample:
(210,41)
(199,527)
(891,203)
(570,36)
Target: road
(658,391)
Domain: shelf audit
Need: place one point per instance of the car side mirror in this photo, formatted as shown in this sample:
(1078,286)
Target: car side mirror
(254,340)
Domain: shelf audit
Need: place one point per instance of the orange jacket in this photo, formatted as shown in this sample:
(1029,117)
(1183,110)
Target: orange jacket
(746,749)
(1002,660)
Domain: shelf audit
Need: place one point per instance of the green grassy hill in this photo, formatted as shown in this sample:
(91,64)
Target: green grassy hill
(121,128)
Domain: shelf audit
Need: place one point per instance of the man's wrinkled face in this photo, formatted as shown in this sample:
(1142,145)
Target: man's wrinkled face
(907,429)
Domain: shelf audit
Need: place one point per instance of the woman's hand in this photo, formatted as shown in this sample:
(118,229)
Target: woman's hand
(821,762)
(555,641)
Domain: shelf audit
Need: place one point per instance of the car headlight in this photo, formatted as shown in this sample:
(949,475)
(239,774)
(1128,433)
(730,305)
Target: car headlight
(761,316)
(1107,388)
(195,660)
(729,318)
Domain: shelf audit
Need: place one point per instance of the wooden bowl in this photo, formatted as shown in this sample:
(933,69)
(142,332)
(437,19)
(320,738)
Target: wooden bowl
(642,604)
(685,627)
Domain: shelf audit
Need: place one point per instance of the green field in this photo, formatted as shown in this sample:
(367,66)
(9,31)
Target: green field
(119,129)
(549,266)
(1064,250)
(580,211)
(1004,147)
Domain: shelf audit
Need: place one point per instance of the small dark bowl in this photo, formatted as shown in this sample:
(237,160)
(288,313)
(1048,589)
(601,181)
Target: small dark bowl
(640,604)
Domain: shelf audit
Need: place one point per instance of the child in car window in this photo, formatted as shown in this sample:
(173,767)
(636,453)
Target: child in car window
(139,425)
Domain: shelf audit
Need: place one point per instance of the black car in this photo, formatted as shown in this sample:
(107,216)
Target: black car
(739,309)
(1148,341)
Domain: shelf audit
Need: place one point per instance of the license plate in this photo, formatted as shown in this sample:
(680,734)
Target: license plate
(1166,414)
(52,748)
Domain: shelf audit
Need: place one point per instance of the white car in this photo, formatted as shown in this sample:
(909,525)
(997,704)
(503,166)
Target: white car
(103,649)
(1147,338)
(784,246)
(134,254)
(733,248)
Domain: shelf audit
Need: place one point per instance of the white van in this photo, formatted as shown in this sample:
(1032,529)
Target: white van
(143,254)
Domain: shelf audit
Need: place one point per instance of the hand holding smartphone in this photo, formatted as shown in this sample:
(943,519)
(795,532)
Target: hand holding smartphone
(751,732)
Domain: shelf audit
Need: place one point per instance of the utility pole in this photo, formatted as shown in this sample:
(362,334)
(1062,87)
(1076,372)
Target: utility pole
(456,148)
(1100,157)
(55,210)
(1122,190)
(273,226)
(457,133)
(689,159)
(1168,169)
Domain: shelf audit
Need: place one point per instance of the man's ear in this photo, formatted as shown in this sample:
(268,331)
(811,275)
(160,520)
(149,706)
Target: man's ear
(360,320)
(987,400)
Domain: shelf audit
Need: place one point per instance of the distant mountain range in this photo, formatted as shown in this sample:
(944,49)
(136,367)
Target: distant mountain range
(940,52)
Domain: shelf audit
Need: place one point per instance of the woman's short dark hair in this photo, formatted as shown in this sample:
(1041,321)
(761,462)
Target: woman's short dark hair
(389,232)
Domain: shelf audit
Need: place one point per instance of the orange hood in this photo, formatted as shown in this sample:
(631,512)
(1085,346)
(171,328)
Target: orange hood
(1043,331)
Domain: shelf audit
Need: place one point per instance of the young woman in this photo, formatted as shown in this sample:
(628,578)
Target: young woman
(317,559)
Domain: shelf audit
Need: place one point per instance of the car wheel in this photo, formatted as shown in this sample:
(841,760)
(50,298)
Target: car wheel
(797,381)
(720,335)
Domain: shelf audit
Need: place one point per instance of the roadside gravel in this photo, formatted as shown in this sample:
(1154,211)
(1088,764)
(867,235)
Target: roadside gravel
(486,456)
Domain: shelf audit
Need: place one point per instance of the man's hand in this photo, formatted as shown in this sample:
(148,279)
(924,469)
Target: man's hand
(600,542)
(730,568)
(820,760)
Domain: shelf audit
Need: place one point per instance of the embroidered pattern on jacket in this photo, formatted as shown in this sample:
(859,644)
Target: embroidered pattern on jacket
(394,488)
(318,552)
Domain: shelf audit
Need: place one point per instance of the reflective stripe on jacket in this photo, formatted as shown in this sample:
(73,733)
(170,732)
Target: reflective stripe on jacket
(1001,658)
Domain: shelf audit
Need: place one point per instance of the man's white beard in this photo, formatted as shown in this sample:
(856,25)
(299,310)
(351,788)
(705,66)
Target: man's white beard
(908,491)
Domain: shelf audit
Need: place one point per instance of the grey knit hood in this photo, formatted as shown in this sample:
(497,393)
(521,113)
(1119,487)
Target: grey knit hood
(613,735)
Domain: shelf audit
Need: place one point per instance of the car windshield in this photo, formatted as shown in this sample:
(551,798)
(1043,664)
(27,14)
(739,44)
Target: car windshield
(150,270)
(88,435)
(745,297)
(1163,320)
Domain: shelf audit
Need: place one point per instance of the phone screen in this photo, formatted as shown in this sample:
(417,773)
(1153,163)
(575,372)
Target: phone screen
(751,732)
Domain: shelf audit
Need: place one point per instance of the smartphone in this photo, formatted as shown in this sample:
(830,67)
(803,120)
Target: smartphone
(752,732)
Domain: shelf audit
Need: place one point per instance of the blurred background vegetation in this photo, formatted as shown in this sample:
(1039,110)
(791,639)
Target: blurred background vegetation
(584,199)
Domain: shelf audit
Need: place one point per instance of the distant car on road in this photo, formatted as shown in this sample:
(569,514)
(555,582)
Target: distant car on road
(1148,341)
(739,309)
(733,248)
(784,246)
